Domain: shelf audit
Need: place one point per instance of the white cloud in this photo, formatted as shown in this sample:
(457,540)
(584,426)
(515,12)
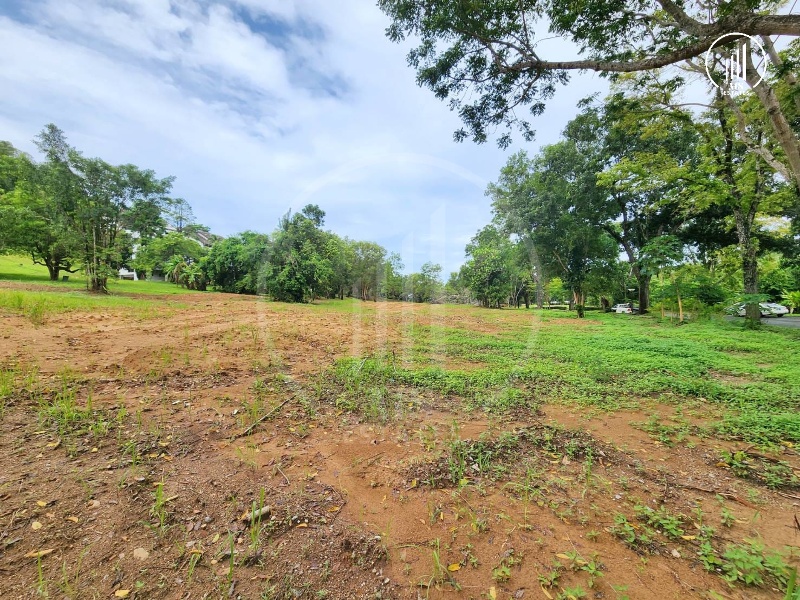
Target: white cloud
(235,105)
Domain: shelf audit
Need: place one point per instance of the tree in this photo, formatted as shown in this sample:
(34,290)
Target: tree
(235,263)
(30,218)
(793,300)
(549,202)
(393,282)
(153,256)
(664,254)
(646,158)
(368,269)
(179,213)
(486,271)
(145,217)
(457,289)
(92,197)
(298,268)
(741,183)
(425,285)
(483,56)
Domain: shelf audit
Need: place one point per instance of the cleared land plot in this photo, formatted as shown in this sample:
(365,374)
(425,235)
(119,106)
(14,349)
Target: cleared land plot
(402,451)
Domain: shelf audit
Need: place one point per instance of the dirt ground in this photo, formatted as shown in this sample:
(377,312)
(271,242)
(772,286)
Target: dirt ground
(155,497)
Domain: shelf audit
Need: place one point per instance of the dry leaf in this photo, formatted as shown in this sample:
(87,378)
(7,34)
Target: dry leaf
(334,509)
(122,593)
(302,524)
(36,525)
(39,553)
(492,593)
(40,503)
(688,537)
(73,519)
(454,567)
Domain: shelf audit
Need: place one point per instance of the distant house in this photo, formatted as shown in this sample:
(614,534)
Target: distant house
(202,237)
(126,274)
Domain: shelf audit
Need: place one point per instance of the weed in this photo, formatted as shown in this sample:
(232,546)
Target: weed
(255,525)
(551,578)
(571,593)
(727,517)
(41,582)
(669,525)
(194,557)
(158,511)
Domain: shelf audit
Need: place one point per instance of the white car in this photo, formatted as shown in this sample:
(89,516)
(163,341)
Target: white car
(623,309)
(768,309)
(777,309)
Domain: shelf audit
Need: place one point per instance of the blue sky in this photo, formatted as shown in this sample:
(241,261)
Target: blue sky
(258,107)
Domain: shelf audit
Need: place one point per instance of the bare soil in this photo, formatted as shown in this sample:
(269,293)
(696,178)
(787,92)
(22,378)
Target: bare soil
(159,504)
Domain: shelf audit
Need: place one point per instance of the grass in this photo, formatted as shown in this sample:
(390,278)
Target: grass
(22,269)
(41,307)
(715,378)
(751,377)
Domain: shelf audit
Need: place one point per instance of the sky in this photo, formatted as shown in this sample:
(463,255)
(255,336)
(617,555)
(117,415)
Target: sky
(258,107)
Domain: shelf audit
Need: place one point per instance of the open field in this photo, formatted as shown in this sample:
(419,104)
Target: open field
(205,445)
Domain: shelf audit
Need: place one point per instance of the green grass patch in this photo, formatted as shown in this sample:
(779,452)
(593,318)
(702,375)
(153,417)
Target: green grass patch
(611,363)
(22,269)
(41,307)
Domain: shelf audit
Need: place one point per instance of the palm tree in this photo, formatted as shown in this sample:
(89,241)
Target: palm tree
(174,268)
(792,299)
(193,277)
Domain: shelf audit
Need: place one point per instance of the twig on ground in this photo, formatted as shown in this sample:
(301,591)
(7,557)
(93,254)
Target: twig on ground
(262,419)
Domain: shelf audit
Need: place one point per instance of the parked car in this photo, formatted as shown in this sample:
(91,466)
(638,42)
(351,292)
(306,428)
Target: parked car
(778,309)
(768,309)
(625,308)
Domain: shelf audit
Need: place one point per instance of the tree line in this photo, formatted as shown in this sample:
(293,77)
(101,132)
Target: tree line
(633,202)
(685,191)
(74,214)
(635,197)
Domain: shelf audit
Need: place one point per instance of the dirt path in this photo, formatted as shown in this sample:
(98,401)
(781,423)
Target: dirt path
(121,465)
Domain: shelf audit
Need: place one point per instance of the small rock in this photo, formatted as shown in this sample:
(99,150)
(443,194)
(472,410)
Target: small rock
(141,554)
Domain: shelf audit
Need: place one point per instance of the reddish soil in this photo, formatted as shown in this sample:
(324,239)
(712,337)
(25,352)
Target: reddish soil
(358,509)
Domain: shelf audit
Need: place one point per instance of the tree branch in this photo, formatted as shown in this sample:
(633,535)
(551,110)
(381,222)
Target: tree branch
(758,149)
(683,20)
(748,24)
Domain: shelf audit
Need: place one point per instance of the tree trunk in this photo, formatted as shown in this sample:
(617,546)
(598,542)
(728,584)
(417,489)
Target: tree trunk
(749,265)
(780,125)
(53,269)
(539,292)
(98,284)
(644,290)
(579,299)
